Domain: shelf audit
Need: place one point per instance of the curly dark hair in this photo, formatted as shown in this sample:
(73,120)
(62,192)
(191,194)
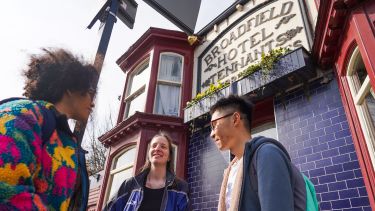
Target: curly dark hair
(234,103)
(50,74)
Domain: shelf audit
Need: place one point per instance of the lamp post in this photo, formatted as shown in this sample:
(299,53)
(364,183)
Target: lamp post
(125,10)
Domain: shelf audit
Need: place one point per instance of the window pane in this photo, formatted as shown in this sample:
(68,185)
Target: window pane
(167,100)
(370,101)
(359,72)
(137,104)
(266,130)
(139,79)
(368,123)
(118,179)
(126,159)
(170,68)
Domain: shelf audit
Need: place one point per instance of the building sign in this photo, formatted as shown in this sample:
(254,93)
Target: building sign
(269,26)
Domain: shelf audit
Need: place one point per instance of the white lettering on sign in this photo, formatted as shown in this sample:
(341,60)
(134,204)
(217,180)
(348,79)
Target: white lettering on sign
(278,24)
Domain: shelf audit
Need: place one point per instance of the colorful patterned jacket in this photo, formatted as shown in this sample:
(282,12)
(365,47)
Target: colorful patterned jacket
(38,173)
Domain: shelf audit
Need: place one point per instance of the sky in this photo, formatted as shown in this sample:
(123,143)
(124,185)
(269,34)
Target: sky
(28,26)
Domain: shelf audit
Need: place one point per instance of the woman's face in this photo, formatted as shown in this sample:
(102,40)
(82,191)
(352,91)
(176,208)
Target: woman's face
(82,105)
(159,151)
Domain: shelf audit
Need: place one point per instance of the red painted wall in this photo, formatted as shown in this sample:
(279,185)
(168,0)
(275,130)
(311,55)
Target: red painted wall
(359,31)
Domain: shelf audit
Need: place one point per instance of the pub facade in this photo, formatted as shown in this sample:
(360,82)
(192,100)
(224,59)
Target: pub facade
(313,93)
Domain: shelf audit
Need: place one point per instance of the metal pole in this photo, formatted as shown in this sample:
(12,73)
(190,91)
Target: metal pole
(80,127)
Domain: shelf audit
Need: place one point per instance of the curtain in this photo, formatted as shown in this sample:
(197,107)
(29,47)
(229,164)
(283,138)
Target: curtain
(170,68)
(167,100)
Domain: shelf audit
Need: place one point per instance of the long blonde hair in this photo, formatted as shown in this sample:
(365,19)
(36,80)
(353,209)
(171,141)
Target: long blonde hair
(170,163)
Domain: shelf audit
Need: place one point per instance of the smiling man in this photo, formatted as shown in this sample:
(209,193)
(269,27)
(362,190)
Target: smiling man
(261,176)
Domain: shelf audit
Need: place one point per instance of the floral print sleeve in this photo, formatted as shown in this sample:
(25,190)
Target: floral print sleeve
(20,156)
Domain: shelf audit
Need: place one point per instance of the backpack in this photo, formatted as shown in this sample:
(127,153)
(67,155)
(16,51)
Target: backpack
(311,200)
(49,121)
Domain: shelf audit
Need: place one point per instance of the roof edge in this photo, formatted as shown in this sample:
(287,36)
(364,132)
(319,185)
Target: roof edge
(147,37)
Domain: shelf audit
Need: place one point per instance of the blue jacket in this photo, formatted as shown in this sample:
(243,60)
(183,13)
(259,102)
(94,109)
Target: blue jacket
(270,181)
(130,194)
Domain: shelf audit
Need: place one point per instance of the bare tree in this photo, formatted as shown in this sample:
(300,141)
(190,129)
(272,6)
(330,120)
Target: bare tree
(96,127)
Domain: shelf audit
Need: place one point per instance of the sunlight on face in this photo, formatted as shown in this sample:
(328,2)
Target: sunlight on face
(159,151)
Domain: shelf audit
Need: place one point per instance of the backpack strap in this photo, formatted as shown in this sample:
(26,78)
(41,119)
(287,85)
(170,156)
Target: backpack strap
(297,179)
(49,119)
(311,200)
(255,145)
(49,124)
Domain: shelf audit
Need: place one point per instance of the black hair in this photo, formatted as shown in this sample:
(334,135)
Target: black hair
(235,103)
(50,74)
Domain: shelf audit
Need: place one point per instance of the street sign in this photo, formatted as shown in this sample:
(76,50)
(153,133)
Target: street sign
(126,12)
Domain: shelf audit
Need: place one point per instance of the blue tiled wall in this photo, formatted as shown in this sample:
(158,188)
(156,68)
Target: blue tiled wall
(206,165)
(316,133)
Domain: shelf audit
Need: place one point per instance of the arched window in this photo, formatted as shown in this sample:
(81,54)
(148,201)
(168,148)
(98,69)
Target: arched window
(136,91)
(364,99)
(122,169)
(168,90)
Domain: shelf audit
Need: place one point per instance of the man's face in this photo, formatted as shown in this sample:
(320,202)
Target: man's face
(222,129)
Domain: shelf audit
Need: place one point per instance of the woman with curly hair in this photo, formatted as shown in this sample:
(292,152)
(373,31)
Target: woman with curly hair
(42,166)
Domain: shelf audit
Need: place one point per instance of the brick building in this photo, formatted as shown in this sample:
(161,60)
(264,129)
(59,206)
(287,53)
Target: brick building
(317,99)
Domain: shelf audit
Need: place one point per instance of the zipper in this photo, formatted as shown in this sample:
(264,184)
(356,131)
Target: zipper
(141,197)
(84,179)
(165,197)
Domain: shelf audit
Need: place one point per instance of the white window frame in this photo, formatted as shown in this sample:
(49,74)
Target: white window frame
(117,170)
(359,93)
(175,150)
(170,83)
(130,97)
